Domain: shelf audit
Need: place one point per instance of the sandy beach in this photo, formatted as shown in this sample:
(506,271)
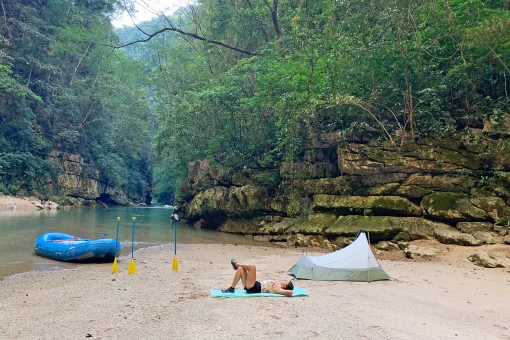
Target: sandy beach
(11,204)
(424,300)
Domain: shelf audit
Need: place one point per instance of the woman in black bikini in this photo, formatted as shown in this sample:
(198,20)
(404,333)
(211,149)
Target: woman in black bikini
(247,273)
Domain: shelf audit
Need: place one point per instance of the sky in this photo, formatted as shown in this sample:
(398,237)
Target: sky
(148,9)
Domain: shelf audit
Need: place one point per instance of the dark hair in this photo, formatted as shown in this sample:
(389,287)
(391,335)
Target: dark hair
(289,286)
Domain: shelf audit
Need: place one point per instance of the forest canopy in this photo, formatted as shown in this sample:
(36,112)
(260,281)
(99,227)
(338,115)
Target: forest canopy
(241,83)
(60,89)
(428,68)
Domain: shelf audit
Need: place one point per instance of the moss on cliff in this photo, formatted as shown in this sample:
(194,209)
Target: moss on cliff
(441,200)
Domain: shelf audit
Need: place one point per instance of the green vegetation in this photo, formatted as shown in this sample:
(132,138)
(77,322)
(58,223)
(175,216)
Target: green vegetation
(245,84)
(60,89)
(430,68)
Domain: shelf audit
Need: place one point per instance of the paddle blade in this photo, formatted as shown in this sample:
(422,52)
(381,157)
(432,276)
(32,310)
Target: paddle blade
(175,264)
(132,267)
(115,266)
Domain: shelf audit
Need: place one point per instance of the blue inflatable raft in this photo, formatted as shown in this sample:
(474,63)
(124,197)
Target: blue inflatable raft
(65,247)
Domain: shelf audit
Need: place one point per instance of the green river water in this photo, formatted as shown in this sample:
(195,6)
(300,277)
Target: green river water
(19,229)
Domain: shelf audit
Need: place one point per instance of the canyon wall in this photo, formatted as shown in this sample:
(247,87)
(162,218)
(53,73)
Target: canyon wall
(455,190)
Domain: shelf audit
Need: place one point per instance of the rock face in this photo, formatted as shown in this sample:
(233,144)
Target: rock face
(456,191)
(80,181)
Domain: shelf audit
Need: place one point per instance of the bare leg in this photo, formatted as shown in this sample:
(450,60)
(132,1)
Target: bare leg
(240,274)
(248,276)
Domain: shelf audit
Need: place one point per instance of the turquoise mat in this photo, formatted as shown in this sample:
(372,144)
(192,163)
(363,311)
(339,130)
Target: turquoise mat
(240,293)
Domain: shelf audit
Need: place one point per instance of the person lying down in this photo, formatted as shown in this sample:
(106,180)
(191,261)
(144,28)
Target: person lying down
(247,274)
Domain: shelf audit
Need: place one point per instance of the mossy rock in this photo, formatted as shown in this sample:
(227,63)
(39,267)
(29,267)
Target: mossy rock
(243,226)
(384,189)
(312,241)
(208,201)
(442,152)
(379,227)
(497,126)
(374,159)
(450,235)
(384,178)
(290,201)
(441,201)
(379,205)
(450,183)
(333,186)
(236,201)
(285,226)
(472,227)
(306,170)
(495,207)
(314,224)
(263,178)
(413,191)
(451,206)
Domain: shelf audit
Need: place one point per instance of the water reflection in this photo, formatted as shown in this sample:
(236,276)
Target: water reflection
(153,226)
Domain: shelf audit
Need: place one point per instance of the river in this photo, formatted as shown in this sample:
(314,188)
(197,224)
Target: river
(19,229)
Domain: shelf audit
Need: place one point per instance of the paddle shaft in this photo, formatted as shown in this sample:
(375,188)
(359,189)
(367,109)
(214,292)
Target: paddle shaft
(133,239)
(175,237)
(117,238)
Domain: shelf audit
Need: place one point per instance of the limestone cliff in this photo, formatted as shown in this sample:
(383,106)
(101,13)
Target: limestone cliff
(79,182)
(455,190)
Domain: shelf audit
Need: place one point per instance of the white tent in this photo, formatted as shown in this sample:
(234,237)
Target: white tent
(356,262)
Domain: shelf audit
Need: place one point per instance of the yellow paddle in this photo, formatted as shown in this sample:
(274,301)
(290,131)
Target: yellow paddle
(175,218)
(132,265)
(115,265)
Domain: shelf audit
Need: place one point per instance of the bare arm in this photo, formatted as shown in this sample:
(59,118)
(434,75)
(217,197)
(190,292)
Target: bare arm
(279,290)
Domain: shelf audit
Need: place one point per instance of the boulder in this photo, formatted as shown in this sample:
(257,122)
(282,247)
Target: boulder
(413,251)
(383,245)
(481,231)
(46,205)
(494,206)
(402,236)
(243,226)
(471,227)
(313,241)
(503,231)
(387,246)
(490,260)
(342,242)
(450,235)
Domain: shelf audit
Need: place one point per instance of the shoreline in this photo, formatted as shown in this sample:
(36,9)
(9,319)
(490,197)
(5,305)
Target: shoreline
(25,204)
(424,300)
